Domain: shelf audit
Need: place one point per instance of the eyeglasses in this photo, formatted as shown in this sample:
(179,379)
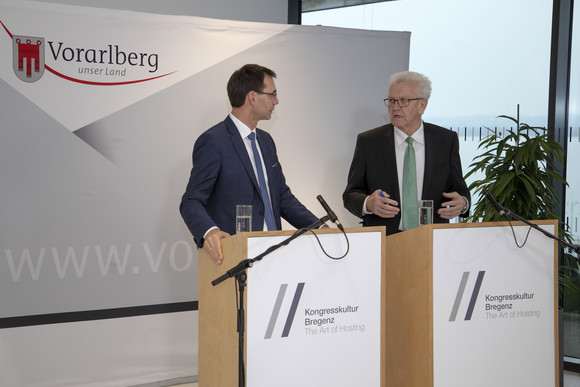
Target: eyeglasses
(274,94)
(403,102)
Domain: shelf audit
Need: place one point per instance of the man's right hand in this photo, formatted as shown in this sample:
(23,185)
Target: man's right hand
(213,244)
(382,205)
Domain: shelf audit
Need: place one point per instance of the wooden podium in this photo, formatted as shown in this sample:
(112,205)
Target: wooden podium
(336,317)
(466,307)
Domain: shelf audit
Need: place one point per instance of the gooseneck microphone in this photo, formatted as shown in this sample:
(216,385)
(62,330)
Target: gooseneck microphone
(506,213)
(329,212)
(495,204)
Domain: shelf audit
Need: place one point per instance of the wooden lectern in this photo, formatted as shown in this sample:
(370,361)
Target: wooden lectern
(339,309)
(466,307)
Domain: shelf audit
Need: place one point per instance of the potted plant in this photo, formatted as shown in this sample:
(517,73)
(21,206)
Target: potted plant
(517,170)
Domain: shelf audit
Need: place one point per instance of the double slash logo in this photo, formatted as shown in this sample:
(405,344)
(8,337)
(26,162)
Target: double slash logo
(460,292)
(291,313)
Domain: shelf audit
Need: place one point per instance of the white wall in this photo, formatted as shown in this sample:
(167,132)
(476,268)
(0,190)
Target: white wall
(267,11)
(104,353)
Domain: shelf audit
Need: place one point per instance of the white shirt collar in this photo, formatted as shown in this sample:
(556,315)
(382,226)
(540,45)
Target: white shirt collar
(242,128)
(418,136)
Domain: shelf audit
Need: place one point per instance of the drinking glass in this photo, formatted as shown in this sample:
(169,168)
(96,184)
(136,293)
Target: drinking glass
(425,212)
(243,218)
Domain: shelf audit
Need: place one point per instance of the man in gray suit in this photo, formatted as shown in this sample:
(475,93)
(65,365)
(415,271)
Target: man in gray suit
(229,162)
(374,190)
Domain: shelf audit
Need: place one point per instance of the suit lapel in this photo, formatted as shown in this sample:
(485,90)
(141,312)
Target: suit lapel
(390,162)
(429,156)
(270,163)
(240,147)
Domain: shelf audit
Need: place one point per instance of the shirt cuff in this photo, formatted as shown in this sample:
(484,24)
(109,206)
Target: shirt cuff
(364,208)
(207,232)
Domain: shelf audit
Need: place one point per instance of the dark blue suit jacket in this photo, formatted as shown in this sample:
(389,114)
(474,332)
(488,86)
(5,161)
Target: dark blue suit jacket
(222,177)
(374,166)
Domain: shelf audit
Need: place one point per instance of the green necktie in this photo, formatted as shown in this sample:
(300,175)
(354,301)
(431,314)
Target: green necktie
(410,201)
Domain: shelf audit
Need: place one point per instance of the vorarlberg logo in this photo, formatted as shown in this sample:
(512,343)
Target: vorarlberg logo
(473,298)
(291,312)
(107,62)
(28,57)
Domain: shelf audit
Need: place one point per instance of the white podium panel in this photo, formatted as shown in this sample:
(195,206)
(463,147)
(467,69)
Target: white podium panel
(312,320)
(494,318)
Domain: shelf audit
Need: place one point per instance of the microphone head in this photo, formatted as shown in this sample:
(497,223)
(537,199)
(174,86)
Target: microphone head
(498,207)
(326,207)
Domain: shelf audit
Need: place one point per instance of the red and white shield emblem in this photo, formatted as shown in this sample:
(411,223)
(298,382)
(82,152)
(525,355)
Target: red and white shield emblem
(28,57)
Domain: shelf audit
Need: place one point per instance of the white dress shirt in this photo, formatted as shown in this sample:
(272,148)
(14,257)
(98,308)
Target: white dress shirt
(245,132)
(400,148)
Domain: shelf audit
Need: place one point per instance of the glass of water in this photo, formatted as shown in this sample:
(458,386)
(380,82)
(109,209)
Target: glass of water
(425,211)
(243,218)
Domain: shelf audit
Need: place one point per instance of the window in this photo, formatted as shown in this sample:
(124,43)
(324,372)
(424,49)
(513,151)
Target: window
(571,299)
(479,67)
(484,58)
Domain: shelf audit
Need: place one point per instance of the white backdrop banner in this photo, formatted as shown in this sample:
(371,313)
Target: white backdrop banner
(99,113)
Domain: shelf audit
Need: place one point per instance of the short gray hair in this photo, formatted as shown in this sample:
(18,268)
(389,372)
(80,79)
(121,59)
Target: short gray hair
(422,83)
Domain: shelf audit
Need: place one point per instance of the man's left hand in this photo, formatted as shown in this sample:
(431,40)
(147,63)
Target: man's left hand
(452,208)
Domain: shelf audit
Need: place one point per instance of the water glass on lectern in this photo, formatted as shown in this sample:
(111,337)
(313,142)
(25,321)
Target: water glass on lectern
(425,212)
(243,218)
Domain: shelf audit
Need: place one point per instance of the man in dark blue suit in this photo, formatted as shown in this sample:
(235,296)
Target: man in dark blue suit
(374,190)
(226,171)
